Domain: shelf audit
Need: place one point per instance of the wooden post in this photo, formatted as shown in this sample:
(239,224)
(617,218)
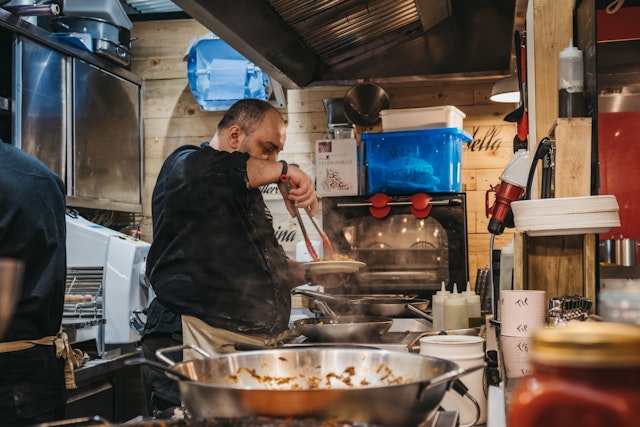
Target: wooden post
(572,157)
(564,264)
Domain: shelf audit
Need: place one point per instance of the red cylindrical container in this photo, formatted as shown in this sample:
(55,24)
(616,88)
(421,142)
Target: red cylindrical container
(584,374)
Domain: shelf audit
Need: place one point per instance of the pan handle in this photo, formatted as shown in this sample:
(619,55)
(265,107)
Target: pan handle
(419,312)
(326,310)
(319,295)
(448,376)
(160,354)
(156,365)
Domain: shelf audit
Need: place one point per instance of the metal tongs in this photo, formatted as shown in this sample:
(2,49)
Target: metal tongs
(285,187)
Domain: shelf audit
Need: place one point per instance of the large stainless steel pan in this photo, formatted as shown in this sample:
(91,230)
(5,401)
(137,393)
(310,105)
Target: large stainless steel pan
(344,329)
(391,307)
(374,305)
(357,385)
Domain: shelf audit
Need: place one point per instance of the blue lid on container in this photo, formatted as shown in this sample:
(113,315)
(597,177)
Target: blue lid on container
(406,162)
(463,135)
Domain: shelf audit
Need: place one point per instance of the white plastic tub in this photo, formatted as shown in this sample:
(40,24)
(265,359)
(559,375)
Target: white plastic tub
(446,116)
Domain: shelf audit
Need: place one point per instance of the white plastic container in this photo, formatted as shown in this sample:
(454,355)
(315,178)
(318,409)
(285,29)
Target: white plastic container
(446,116)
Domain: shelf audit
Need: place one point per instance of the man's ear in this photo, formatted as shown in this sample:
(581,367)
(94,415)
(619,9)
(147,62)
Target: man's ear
(233,136)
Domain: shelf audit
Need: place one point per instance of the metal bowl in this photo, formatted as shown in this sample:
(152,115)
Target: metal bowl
(363,103)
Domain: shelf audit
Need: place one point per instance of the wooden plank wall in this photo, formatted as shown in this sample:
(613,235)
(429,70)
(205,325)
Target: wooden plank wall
(172,118)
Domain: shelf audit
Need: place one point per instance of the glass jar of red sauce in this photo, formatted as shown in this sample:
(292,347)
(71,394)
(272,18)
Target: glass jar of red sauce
(584,374)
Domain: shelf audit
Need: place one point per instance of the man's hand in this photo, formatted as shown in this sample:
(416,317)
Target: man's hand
(303,192)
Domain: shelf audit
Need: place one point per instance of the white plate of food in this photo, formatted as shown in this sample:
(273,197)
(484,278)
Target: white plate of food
(334,266)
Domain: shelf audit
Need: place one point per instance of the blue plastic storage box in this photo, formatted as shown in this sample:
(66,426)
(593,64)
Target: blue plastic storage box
(408,162)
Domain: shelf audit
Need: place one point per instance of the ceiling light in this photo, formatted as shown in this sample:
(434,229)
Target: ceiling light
(506,90)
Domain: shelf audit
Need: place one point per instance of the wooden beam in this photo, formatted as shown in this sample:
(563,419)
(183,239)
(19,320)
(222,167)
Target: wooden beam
(552,29)
(572,157)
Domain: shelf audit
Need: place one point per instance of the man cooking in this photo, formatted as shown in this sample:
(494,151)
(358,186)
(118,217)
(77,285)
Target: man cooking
(219,274)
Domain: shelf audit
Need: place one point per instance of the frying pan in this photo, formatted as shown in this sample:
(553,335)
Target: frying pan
(330,383)
(370,305)
(363,103)
(349,328)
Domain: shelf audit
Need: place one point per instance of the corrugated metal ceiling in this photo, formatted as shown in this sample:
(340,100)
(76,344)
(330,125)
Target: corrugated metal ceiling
(303,42)
(333,27)
(150,6)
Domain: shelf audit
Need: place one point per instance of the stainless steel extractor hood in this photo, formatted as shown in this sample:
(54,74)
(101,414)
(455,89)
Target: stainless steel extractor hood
(302,43)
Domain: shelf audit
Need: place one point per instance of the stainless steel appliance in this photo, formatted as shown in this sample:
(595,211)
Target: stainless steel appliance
(106,292)
(83,121)
(404,254)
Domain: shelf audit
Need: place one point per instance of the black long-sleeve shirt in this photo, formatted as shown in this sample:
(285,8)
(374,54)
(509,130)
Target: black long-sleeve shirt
(33,230)
(214,253)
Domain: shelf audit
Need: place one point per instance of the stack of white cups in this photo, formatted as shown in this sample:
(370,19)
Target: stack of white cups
(520,313)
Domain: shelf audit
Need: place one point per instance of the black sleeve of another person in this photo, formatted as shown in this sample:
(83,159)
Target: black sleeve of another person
(33,230)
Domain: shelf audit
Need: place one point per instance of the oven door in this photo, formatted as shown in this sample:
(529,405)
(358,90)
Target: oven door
(403,253)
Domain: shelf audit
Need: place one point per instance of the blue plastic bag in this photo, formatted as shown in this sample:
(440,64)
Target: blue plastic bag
(219,76)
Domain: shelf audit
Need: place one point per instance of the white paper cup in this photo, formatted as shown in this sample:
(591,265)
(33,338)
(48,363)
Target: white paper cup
(515,355)
(520,327)
(516,368)
(521,312)
(523,301)
(515,348)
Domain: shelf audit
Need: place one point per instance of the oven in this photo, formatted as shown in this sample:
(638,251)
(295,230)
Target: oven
(406,250)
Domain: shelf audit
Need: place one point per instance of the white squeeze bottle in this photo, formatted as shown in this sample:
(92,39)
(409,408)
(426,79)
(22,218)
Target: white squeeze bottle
(473,308)
(455,311)
(437,308)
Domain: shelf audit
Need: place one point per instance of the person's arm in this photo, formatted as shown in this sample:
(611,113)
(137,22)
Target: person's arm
(262,172)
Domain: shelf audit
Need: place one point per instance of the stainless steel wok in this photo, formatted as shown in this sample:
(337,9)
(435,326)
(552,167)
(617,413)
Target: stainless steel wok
(343,329)
(370,305)
(357,385)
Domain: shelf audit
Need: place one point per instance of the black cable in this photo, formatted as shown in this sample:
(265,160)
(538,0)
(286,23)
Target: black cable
(544,148)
